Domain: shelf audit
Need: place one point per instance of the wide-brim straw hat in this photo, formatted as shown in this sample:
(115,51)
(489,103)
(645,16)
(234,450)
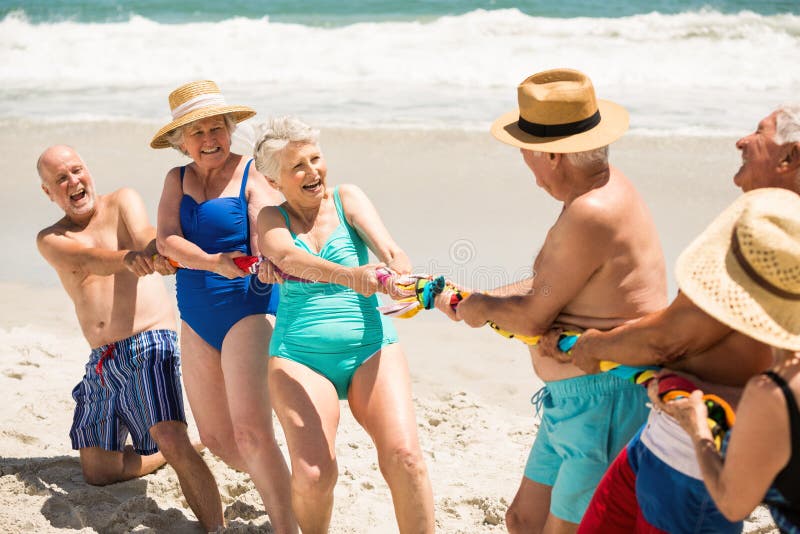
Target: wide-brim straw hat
(194,101)
(744,269)
(559,112)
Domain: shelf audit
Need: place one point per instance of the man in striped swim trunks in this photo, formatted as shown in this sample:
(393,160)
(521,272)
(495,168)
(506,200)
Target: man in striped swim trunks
(103,250)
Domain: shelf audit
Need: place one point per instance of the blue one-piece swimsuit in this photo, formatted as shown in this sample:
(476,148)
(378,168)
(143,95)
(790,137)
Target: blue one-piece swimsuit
(210,303)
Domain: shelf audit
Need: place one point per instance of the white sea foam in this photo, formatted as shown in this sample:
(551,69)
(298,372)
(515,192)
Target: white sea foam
(697,71)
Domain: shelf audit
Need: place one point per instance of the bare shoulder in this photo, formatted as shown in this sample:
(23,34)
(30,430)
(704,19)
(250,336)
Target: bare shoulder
(53,242)
(174,174)
(590,213)
(355,202)
(47,235)
(607,205)
(270,217)
(763,391)
(351,192)
(123,197)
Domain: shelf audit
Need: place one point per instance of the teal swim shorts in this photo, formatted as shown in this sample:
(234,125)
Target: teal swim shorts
(586,421)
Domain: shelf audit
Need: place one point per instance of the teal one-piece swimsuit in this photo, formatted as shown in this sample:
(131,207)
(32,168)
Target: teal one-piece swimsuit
(330,328)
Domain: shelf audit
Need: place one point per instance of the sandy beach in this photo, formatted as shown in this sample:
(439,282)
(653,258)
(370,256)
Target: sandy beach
(460,203)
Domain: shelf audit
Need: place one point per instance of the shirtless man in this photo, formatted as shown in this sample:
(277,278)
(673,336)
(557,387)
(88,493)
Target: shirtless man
(655,484)
(103,249)
(601,264)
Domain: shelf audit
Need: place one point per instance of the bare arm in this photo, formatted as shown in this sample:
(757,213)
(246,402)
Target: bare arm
(134,215)
(575,248)
(362,215)
(660,338)
(759,446)
(520,287)
(276,243)
(68,255)
(142,233)
(259,194)
(172,244)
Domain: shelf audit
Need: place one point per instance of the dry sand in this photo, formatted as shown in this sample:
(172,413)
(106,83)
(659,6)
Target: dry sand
(459,203)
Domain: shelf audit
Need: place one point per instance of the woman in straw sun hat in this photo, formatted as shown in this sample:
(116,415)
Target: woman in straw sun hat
(744,271)
(205,221)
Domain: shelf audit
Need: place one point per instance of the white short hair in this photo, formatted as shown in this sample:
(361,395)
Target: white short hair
(585,158)
(588,157)
(787,124)
(276,133)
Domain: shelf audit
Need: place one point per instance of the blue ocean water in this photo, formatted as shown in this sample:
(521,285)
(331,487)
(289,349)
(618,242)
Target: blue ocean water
(679,66)
(339,12)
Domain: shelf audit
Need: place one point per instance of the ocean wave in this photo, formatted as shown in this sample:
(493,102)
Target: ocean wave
(451,69)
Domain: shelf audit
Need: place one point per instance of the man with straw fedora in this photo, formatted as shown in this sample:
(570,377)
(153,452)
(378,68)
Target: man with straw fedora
(684,338)
(601,265)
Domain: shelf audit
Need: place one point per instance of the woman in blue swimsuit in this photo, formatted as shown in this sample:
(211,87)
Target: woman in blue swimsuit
(330,341)
(204,223)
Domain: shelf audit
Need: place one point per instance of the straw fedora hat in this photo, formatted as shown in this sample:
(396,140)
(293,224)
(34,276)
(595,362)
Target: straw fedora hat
(558,112)
(744,269)
(194,101)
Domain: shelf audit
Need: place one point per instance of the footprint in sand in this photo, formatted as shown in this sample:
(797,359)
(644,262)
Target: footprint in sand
(494,511)
(242,510)
(18,436)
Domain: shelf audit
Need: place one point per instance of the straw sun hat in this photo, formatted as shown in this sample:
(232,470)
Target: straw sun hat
(744,269)
(558,112)
(194,101)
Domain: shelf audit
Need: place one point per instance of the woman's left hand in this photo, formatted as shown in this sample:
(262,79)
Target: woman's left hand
(395,291)
(267,273)
(690,412)
(365,281)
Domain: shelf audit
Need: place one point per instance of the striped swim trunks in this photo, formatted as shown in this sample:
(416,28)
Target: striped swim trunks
(129,386)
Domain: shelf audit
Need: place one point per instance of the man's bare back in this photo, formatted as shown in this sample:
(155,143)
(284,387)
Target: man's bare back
(621,244)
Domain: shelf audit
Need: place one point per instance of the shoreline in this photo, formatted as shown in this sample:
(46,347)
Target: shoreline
(460,203)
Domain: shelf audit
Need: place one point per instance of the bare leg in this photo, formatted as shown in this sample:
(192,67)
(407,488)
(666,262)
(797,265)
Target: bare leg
(101,467)
(196,481)
(530,509)
(205,388)
(380,398)
(244,368)
(308,409)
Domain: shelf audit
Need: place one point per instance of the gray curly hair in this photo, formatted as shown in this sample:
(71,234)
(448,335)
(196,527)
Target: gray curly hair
(276,133)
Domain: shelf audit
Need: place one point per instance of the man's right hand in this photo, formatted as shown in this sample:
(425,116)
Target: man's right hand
(162,265)
(227,267)
(442,303)
(578,355)
(139,263)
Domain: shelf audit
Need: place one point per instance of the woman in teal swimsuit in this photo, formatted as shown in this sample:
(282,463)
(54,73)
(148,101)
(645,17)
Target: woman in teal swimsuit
(203,223)
(330,342)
